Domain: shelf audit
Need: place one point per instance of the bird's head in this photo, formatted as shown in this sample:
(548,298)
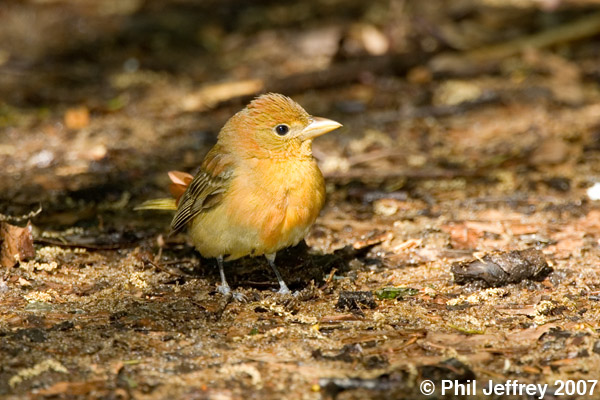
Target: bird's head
(273,126)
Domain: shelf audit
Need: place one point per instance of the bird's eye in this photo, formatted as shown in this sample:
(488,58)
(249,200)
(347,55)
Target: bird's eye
(282,129)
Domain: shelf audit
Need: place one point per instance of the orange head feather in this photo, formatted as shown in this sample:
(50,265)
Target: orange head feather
(272,126)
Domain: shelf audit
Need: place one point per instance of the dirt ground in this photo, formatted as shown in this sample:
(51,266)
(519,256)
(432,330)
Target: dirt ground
(471,129)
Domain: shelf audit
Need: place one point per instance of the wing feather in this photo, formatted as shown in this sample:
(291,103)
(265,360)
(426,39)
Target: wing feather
(205,190)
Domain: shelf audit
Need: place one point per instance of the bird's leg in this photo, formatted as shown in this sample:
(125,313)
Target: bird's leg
(224,288)
(283,289)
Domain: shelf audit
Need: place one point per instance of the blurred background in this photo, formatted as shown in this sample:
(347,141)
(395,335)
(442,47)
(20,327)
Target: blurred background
(98,99)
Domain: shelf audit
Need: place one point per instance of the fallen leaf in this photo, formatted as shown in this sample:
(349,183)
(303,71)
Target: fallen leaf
(372,239)
(210,95)
(526,336)
(17,244)
(71,388)
(461,236)
(77,118)
(390,293)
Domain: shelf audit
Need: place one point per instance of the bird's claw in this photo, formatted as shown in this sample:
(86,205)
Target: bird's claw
(225,290)
(239,297)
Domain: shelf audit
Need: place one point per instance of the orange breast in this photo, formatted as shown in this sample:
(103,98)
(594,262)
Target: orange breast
(281,200)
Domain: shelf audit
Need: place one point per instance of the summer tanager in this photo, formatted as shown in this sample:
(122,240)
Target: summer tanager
(258,190)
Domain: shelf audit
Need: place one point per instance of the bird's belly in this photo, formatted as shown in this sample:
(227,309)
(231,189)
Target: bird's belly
(214,235)
(257,218)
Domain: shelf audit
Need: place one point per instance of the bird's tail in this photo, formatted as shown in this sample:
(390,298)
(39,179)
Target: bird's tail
(179,183)
(158,204)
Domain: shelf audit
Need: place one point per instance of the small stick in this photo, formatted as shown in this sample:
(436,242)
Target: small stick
(19,218)
(329,278)
(477,60)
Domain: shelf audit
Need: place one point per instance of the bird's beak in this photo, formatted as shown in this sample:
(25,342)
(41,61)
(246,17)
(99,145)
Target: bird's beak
(319,126)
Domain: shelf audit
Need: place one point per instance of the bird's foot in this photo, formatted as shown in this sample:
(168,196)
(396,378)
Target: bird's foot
(225,290)
(283,289)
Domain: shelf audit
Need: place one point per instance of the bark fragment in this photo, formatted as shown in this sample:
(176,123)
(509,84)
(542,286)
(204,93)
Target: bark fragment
(501,268)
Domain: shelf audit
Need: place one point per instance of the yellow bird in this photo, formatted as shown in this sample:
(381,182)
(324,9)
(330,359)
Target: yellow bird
(258,190)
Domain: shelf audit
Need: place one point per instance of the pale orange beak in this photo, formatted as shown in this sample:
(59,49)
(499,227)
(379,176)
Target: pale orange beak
(319,126)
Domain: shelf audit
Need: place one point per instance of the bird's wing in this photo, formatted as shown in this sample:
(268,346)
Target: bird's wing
(205,190)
